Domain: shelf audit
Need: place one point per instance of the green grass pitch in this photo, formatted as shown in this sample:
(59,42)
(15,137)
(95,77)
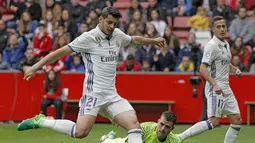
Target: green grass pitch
(9,134)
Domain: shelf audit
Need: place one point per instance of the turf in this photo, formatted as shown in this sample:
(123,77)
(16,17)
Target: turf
(9,134)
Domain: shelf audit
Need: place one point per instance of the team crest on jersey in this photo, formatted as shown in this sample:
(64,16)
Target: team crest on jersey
(220,46)
(117,43)
(98,39)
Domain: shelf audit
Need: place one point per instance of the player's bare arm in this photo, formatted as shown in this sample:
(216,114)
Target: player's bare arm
(139,41)
(235,70)
(203,70)
(50,58)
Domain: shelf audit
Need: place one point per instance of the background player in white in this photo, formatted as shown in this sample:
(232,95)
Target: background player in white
(215,69)
(99,49)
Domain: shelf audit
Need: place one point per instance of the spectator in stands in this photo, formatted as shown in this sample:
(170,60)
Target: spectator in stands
(153,4)
(159,24)
(14,7)
(223,10)
(185,8)
(151,31)
(51,5)
(29,60)
(83,28)
(133,30)
(135,6)
(250,5)
(60,32)
(199,22)
(130,64)
(3,64)
(69,23)
(27,26)
(57,66)
(145,52)
(92,19)
(51,23)
(34,9)
(76,64)
(185,66)
(52,93)
(252,59)
(61,42)
(242,27)
(3,36)
(164,61)
(42,41)
(242,51)
(236,62)
(172,40)
(15,51)
(207,4)
(170,7)
(128,50)
(76,10)
(4,7)
(96,5)
(191,49)
(137,20)
(146,65)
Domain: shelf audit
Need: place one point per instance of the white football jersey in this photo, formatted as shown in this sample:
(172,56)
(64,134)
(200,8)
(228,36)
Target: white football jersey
(100,56)
(217,56)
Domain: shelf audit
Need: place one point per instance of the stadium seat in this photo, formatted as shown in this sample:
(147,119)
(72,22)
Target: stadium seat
(169,21)
(180,23)
(203,37)
(7,17)
(122,5)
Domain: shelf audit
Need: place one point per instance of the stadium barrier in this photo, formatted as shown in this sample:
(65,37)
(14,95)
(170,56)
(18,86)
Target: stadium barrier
(21,99)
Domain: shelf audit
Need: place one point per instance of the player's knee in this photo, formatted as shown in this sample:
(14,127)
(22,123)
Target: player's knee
(238,121)
(215,121)
(81,134)
(134,124)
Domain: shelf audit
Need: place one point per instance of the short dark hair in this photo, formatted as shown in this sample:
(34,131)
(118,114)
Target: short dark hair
(111,11)
(169,116)
(217,18)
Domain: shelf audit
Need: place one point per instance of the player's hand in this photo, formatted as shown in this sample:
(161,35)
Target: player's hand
(218,90)
(29,73)
(238,73)
(161,42)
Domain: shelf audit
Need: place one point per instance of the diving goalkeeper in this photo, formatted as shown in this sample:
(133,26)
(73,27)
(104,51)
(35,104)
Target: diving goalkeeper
(152,132)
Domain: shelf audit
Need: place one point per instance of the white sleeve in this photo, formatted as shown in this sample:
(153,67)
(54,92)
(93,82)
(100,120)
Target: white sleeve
(209,54)
(125,39)
(81,44)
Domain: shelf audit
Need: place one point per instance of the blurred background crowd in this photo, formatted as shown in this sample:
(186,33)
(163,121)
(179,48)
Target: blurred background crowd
(30,29)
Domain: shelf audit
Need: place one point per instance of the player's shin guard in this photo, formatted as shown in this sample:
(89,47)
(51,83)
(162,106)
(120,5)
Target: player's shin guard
(232,133)
(197,129)
(134,136)
(62,126)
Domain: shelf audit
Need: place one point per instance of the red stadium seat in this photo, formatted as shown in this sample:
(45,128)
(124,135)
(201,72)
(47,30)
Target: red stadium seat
(122,5)
(169,21)
(7,17)
(180,23)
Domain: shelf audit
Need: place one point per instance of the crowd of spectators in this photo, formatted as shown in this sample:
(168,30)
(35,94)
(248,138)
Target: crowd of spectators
(38,27)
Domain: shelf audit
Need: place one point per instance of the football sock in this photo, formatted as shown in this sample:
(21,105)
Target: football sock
(134,136)
(62,126)
(232,133)
(196,129)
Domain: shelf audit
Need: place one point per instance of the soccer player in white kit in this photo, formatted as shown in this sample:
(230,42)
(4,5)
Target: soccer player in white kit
(99,49)
(215,69)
